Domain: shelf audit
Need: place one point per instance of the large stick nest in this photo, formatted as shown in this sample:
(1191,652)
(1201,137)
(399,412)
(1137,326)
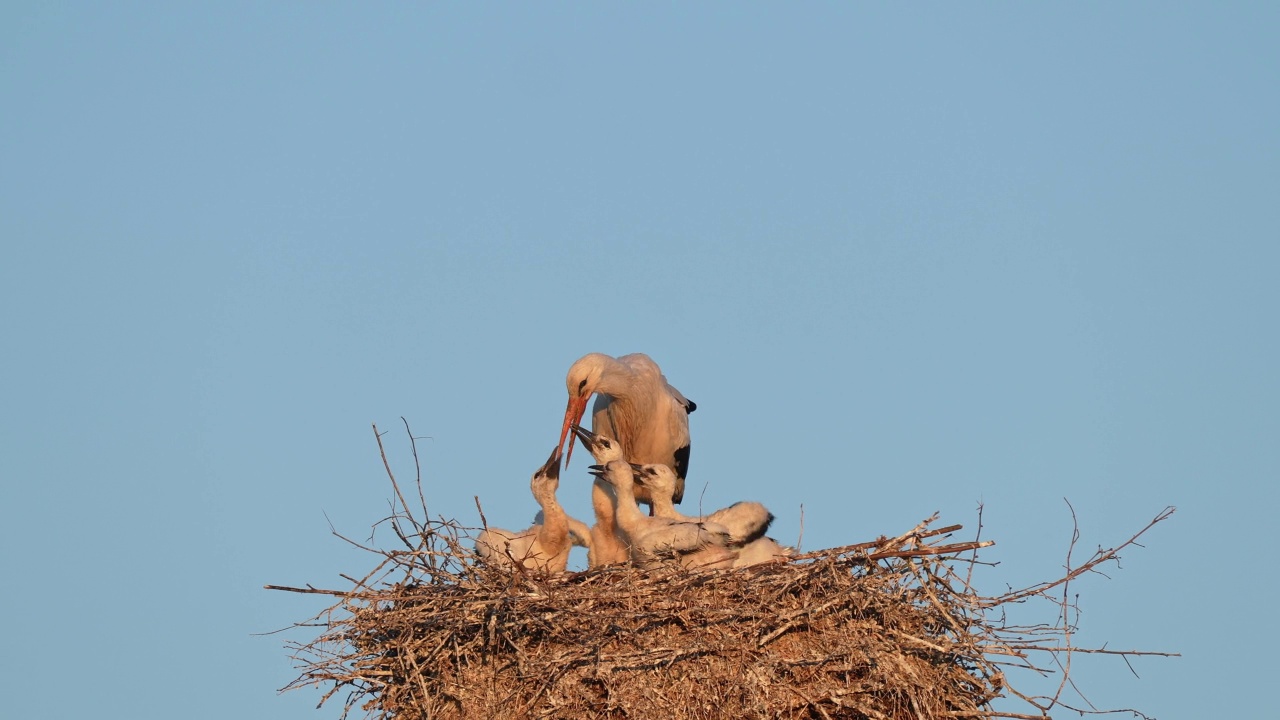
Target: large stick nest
(880,630)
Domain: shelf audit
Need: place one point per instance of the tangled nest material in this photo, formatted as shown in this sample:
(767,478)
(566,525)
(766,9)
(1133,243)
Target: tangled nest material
(880,630)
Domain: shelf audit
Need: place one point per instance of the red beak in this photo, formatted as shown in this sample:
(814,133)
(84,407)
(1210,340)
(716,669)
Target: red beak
(573,413)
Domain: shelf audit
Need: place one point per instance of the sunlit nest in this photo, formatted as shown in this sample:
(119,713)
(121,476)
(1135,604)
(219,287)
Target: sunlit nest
(889,629)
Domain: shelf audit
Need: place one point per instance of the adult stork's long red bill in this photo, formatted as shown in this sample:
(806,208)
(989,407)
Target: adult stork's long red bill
(636,406)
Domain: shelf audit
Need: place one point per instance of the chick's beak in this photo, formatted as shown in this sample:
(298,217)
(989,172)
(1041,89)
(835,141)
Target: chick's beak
(551,468)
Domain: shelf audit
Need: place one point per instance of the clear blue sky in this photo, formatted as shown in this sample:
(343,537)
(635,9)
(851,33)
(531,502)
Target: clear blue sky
(905,259)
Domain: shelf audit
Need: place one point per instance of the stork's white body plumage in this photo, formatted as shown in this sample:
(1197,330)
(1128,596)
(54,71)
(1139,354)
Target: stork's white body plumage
(636,406)
(652,540)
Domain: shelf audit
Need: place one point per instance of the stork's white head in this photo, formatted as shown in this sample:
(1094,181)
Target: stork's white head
(581,382)
(584,374)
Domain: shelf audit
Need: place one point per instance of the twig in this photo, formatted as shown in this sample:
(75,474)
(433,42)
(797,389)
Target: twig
(968,578)
(395,485)
(800,537)
(1100,557)
(316,591)
(417,466)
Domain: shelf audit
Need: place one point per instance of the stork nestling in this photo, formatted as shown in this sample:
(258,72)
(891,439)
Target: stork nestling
(653,540)
(746,521)
(545,546)
(608,544)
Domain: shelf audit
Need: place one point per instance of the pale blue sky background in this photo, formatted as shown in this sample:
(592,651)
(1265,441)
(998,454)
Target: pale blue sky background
(905,259)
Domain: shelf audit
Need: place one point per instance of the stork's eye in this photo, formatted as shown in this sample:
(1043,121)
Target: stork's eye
(582,384)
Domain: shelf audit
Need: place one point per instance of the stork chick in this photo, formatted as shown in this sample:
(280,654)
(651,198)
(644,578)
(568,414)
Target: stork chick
(652,539)
(746,521)
(608,546)
(543,547)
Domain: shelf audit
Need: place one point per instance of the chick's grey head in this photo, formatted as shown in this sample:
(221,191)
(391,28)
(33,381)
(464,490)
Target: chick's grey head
(602,447)
(658,477)
(615,472)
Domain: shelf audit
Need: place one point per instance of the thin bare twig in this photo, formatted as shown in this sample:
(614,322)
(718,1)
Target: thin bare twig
(1100,557)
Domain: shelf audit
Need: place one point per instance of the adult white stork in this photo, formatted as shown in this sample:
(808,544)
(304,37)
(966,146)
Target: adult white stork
(636,406)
